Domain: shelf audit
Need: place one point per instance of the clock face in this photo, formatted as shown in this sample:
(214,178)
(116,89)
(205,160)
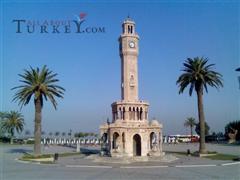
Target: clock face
(131,44)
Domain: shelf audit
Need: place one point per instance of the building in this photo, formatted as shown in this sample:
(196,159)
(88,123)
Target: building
(130,133)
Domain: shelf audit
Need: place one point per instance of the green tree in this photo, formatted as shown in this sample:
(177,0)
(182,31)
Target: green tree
(41,85)
(63,134)
(70,133)
(2,117)
(12,122)
(206,127)
(50,134)
(199,75)
(76,135)
(57,133)
(190,122)
(234,125)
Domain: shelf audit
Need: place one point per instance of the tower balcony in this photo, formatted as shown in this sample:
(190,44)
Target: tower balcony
(130,111)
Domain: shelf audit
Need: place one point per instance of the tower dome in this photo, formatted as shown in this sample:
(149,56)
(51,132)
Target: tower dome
(154,123)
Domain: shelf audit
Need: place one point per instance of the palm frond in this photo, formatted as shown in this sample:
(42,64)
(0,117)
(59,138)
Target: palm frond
(198,74)
(38,83)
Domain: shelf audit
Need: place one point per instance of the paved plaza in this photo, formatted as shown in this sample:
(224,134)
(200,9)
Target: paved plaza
(80,167)
(220,148)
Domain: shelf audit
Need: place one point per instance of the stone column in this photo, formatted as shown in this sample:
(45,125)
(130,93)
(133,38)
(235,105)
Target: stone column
(109,141)
(129,144)
(160,141)
(127,115)
(118,115)
(120,143)
(113,116)
(144,144)
(78,147)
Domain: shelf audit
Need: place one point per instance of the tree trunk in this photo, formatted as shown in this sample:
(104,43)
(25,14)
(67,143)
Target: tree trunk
(191,132)
(202,146)
(12,135)
(11,140)
(37,129)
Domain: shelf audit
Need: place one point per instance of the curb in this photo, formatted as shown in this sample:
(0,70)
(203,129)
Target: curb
(133,167)
(182,166)
(152,167)
(34,162)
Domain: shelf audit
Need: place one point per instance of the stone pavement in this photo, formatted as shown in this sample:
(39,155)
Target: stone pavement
(167,161)
(220,148)
(84,169)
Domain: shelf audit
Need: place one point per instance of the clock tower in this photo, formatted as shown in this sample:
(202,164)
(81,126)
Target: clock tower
(128,49)
(130,133)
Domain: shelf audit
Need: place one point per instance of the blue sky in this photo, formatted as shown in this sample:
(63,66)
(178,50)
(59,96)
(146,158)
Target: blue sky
(89,64)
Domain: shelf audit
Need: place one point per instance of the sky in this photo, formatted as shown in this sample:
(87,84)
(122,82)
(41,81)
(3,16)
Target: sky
(88,64)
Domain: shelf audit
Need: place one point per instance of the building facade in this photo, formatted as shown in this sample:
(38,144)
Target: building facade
(130,133)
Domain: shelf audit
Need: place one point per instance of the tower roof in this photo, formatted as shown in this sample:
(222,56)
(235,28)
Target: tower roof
(128,20)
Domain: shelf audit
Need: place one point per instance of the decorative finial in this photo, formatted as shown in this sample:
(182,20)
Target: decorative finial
(128,17)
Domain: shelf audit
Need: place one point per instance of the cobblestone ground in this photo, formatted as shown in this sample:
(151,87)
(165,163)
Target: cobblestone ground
(84,168)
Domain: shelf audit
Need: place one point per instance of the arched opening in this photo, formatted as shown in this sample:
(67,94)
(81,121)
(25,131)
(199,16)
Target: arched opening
(130,29)
(133,113)
(130,113)
(123,113)
(123,141)
(153,140)
(104,138)
(137,113)
(115,140)
(141,113)
(137,145)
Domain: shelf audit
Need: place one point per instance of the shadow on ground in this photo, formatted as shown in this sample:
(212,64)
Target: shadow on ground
(19,150)
(88,151)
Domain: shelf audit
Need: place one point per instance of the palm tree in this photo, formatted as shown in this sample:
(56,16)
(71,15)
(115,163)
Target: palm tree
(70,133)
(198,75)
(197,128)
(41,85)
(13,122)
(57,133)
(50,134)
(190,122)
(2,117)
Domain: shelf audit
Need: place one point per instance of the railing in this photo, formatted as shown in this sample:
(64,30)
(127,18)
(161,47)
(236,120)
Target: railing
(63,141)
